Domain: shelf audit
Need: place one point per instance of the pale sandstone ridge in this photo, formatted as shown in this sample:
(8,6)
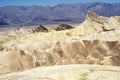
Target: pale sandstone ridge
(14,33)
(95,23)
(67,72)
(30,30)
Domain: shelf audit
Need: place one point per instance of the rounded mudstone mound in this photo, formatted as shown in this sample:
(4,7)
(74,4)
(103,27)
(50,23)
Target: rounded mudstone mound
(61,27)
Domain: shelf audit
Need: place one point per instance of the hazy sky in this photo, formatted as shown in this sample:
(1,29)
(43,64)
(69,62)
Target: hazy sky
(48,2)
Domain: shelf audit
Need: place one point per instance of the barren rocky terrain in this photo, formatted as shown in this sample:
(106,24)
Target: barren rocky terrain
(51,53)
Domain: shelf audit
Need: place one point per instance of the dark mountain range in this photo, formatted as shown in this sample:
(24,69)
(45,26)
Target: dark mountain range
(71,13)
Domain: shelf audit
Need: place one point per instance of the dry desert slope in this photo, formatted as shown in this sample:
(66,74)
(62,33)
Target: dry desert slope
(67,72)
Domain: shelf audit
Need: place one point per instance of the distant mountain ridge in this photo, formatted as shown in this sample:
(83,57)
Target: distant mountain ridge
(70,13)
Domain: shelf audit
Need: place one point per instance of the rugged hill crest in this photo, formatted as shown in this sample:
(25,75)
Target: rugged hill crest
(95,23)
(91,16)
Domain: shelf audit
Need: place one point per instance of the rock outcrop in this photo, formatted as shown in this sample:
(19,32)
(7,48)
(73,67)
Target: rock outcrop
(31,30)
(40,29)
(21,31)
(61,27)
